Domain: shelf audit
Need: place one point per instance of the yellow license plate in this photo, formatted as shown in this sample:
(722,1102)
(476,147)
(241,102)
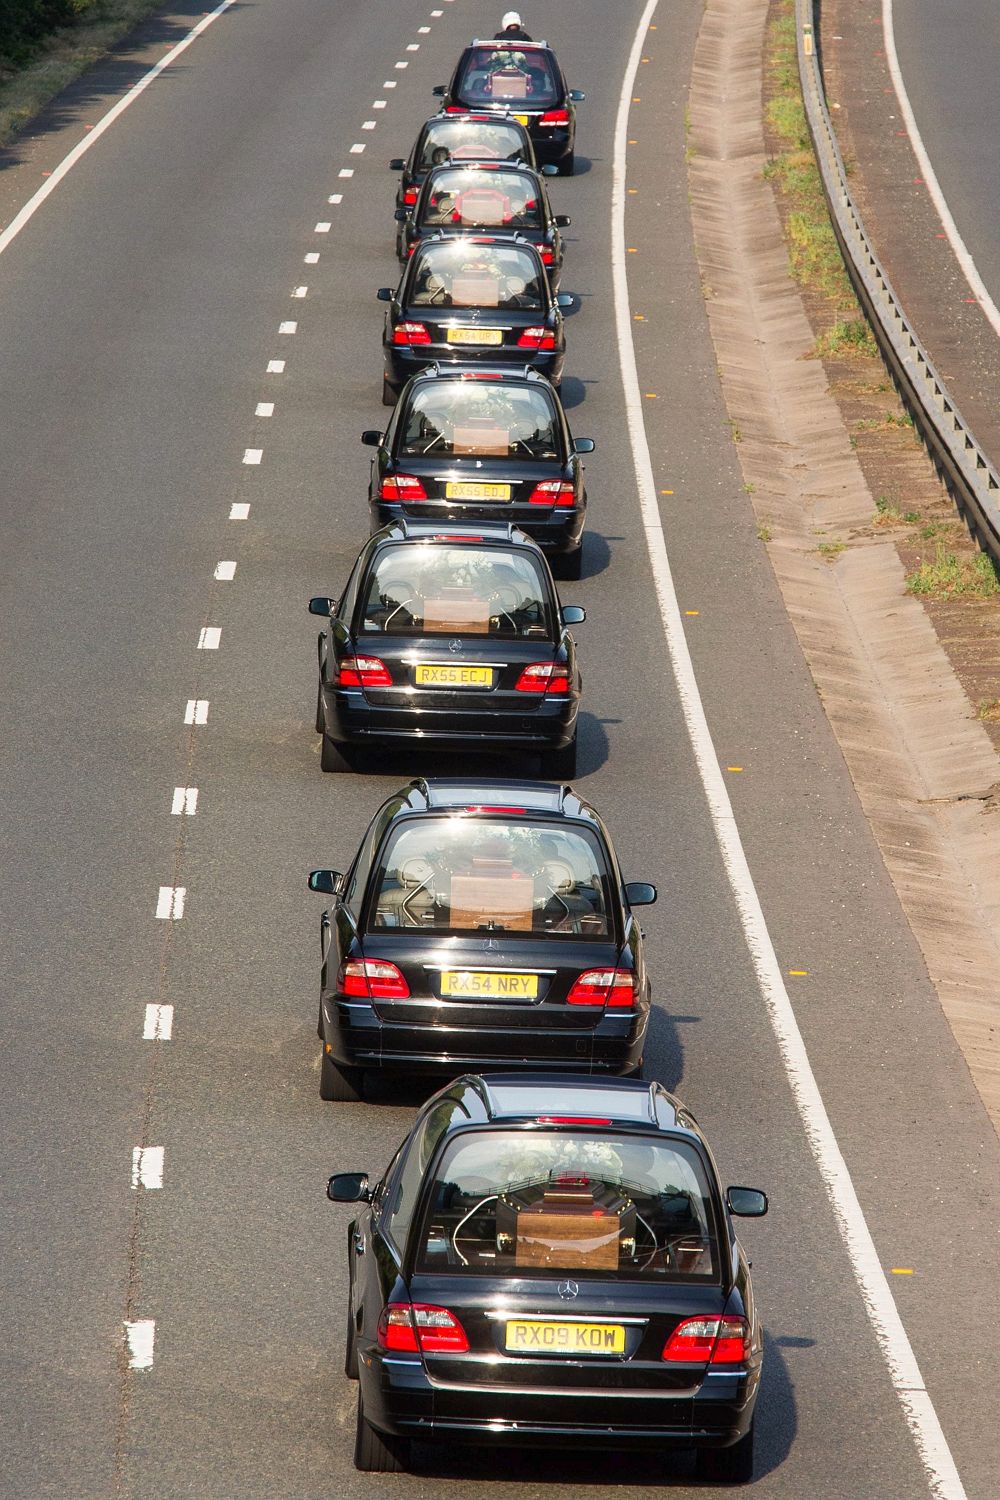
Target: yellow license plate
(526,1336)
(490,985)
(449,676)
(460,491)
(475,335)
(521,119)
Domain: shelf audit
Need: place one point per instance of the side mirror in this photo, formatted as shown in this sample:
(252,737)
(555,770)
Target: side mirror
(327,882)
(572,614)
(549,169)
(384,294)
(584,445)
(562,221)
(400,215)
(371,437)
(576,96)
(640,893)
(746,1203)
(438,91)
(564,299)
(321,606)
(398,164)
(349,1187)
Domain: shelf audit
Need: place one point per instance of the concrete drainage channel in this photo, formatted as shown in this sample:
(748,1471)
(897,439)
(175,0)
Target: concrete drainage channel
(961,463)
(922,766)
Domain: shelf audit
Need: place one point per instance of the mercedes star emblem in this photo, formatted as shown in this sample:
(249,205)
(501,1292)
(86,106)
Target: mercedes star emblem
(455,645)
(567,1289)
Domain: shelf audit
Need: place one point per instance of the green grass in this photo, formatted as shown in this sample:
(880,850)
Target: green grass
(831,549)
(848,336)
(950,577)
(988,709)
(26,89)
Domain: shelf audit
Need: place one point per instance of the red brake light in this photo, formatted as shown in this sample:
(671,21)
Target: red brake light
(554,117)
(372,979)
(410,333)
(537,338)
(419,1328)
(547,255)
(557,492)
(454,109)
(543,677)
(404,487)
(571,1120)
(703,1341)
(491,807)
(614,988)
(410,196)
(363,671)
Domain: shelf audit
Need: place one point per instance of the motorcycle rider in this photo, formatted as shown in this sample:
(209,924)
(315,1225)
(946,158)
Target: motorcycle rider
(511,29)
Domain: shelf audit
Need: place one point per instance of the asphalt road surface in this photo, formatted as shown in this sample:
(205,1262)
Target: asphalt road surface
(139,310)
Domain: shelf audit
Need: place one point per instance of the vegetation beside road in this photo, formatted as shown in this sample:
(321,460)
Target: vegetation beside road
(46,44)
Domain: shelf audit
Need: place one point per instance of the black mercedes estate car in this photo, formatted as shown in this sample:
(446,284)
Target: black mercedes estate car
(481,924)
(524,78)
(453,639)
(471,300)
(551,1262)
(483,442)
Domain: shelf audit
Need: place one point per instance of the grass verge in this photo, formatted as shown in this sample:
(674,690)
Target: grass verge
(950,576)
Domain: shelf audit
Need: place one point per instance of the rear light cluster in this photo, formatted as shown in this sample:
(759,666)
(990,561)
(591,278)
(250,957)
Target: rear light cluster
(709,1341)
(408,334)
(614,988)
(363,671)
(554,117)
(557,492)
(402,487)
(410,196)
(418,1328)
(543,677)
(372,979)
(537,338)
(547,254)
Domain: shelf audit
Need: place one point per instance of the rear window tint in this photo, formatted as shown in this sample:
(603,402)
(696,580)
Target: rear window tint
(506,74)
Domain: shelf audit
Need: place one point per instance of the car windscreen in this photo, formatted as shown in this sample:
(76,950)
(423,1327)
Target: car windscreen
(473,139)
(546,1203)
(479,875)
(473,419)
(503,74)
(481,198)
(462,274)
(430,588)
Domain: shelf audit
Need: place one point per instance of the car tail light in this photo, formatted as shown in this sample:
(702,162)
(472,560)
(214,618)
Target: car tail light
(402,487)
(410,248)
(410,333)
(547,254)
(703,1341)
(558,492)
(554,117)
(537,338)
(572,1120)
(372,979)
(454,109)
(614,988)
(363,671)
(416,1327)
(494,807)
(543,677)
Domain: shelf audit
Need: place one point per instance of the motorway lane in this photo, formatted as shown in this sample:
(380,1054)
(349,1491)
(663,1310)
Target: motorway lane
(239,1258)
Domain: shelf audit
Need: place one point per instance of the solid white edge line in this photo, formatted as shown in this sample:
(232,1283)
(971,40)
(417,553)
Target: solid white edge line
(961,251)
(68,162)
(883,1314)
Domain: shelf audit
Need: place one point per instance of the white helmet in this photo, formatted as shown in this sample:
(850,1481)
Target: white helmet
(510,19)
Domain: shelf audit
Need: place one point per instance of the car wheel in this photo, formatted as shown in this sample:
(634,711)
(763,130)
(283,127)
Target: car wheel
(568,165)
(569,564)
(319,1023)
(351,1352)
(333,757)
(340,1085)
(320,722)
(560,764)
(388,394)
(375,1454)
(728,1465)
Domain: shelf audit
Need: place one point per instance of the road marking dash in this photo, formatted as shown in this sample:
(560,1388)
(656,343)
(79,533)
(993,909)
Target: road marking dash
(902,1270)
(170,903)
(264,409)
(209,637)
(158,1025)
(357,148)
(288,327)
(196,711)
(139,1339)
(390,83)
(239,510)
(799,973)
(147,1167)
(311,257)
(734,768)
(225,572)
(368,124)
(378,104)
(276,367)
(252,456)
(413,46)
(402,65)
(185,801)
(299,291)
(346,172)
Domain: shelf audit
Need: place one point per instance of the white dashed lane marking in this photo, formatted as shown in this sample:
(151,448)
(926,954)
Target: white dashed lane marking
(139,1340)
(368,124)
(264,409)
(402,65)
(311,257)
(225,572)
(170,903)
(299,291)
(252,456)
(287,327)
(338,197)
(390,83)
(276,367)
(209,637)
(357,148)
(196,711)
(413,47)
(185,801)
(147,1167)
(159,1023)
(239,510)
(378,104)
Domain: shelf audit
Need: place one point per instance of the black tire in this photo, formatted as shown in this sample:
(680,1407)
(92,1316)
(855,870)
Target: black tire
(728,1465)
(320,721)
(569,564)
(334,757)
(560,765)
(351,1351)
(375,1453)
(568,165)
(319,1023)
(388,394)
(340,1085)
